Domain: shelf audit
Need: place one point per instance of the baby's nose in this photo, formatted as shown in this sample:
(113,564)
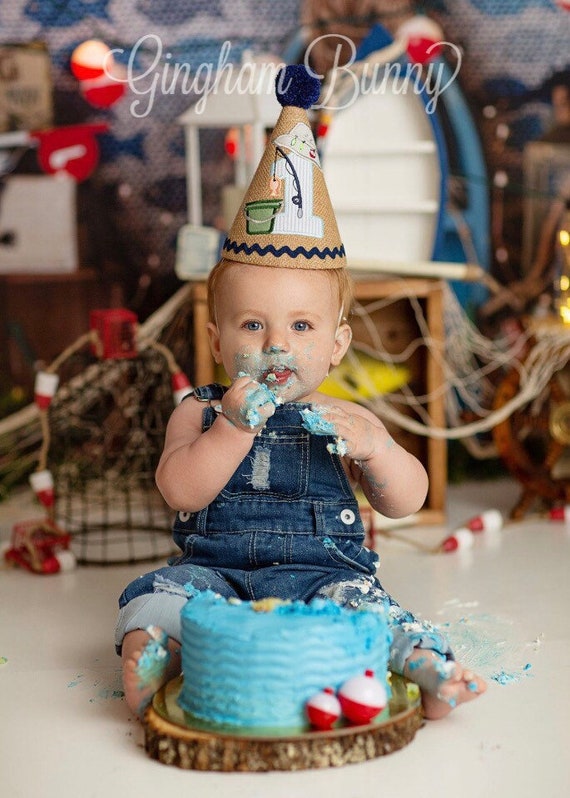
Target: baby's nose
(274,348)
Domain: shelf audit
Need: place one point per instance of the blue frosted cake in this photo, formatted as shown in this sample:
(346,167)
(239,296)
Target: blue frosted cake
(255,664)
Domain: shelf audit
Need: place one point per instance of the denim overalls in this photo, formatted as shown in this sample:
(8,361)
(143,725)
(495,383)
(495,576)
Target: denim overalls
(286,524)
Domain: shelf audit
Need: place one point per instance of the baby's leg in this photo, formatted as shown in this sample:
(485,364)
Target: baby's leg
(150,659)
(419,650)
(148,627)
(444,683)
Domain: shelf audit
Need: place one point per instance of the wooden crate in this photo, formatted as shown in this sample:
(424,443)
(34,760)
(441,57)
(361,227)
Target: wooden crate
(397,326)
(42,314)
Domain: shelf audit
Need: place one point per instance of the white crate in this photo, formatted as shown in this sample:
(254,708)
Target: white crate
(38,224)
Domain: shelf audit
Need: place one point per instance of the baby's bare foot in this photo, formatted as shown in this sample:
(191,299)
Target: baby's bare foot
(150,659)
(444,684)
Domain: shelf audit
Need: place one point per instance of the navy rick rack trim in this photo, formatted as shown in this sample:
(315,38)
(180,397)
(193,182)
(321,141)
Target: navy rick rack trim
(233,246)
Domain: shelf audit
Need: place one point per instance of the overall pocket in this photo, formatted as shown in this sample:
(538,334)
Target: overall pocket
(348,552)
(277,466)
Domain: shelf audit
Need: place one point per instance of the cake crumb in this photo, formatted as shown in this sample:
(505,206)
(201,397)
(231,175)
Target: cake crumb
(268,604)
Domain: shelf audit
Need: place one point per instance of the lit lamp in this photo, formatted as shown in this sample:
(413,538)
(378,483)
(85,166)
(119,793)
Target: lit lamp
(564,280)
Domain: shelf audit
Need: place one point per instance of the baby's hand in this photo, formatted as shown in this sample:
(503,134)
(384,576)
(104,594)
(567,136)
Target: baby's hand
(355,433)
(248,404)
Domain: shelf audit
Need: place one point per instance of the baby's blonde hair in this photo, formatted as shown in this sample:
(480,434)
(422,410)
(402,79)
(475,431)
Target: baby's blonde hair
(339,278)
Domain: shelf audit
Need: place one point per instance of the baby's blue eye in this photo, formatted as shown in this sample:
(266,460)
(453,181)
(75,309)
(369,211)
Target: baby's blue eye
(301,326)
(253,326)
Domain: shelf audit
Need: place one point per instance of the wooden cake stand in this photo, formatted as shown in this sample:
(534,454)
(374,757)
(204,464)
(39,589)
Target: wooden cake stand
(176,738)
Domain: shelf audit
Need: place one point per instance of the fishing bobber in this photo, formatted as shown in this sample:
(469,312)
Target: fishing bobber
(105,90)
(461,539)
(323,125)
(89,58)
(44,388)
(66,560)
(489,521)
(180,386)
(362,698)
(561,513)
(42,485)
(323,709)
(423,38)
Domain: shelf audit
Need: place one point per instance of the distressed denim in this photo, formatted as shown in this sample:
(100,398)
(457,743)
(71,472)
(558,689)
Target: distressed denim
(286,524)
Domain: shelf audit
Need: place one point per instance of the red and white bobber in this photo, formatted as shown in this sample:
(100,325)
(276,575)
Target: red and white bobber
(561,513)
(42,485)
(66,560)
(460,540)
(423,38)
(180,386)
(489,521)
(103,91)
(323,709)
(45,387)
(362,698)
(89,58)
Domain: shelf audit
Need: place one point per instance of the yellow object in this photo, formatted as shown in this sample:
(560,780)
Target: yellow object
(268,604)
(370,378)
(221,375)
(563,302)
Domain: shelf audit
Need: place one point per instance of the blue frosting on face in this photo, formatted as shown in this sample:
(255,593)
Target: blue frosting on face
(247,667)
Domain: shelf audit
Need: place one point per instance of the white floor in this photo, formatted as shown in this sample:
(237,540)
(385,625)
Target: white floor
(66,731)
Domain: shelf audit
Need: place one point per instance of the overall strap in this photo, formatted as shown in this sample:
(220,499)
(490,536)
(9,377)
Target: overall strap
(207,394)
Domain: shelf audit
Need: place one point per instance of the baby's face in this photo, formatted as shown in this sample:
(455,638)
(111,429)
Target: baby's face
(280,326)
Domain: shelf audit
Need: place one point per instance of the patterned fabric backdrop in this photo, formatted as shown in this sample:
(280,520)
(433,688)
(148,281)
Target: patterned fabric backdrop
(511,49)
(135,203)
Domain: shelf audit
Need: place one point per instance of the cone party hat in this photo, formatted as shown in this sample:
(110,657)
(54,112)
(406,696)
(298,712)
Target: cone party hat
(286,218)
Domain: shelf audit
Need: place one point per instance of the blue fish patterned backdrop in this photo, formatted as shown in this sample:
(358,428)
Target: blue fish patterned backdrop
(137,197)
(135,202)
(511,49)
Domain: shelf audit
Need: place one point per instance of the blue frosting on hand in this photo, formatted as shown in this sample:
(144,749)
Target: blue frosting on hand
(314,421)
(257,397)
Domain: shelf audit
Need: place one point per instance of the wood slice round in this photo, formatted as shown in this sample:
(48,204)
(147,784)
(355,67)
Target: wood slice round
(175,738)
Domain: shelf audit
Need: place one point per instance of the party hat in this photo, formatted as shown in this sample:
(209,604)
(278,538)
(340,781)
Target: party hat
(286,218)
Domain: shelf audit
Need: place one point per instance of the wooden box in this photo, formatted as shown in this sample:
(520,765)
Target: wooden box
(42,314)
(391,305)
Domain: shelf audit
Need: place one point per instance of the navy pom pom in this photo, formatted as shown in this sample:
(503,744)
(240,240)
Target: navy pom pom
(295,86)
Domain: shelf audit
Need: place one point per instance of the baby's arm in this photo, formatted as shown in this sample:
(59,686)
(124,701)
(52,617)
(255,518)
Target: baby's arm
(393,480)
(195,465)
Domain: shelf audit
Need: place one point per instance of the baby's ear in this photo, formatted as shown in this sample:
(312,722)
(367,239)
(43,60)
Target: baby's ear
(214,336)
(342,341)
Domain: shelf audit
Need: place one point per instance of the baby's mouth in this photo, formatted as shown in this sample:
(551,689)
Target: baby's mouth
(277,375)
